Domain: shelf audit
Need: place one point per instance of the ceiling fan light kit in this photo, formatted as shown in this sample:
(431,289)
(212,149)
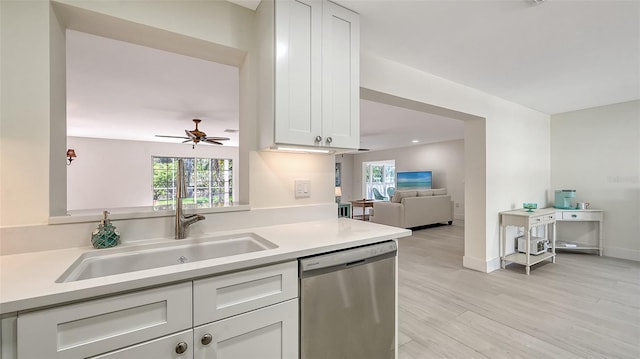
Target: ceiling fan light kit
(196,136)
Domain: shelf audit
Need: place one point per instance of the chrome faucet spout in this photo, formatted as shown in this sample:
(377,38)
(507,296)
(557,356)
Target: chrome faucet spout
(183,221)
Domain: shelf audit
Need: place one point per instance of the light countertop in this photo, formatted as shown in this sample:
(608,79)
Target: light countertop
(28,280)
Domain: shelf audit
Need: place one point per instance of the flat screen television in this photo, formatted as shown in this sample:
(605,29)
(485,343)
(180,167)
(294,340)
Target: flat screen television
(414,180)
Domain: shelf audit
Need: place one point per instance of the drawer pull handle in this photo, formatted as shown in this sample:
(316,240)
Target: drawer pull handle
(181,347)
(574,216)
(206,339)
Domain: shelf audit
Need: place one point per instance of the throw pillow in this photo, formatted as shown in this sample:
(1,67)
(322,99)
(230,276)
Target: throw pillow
(440,192)
(426,192)
(399,195)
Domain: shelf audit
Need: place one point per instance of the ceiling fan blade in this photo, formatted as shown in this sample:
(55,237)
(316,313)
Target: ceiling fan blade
(185,141)
(171,136)
(213,142)
(190,135)
(218,138)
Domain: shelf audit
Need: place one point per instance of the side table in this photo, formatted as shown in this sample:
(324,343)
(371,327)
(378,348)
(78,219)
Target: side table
(364,204)
(527,220)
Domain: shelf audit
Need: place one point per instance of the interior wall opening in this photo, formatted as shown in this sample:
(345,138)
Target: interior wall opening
(120,98)
(71,18)
(472,187)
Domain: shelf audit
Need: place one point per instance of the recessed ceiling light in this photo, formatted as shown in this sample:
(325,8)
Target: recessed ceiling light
(229,130)
(415,141)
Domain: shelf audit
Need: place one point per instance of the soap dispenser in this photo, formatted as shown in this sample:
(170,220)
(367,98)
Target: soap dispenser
(106,235)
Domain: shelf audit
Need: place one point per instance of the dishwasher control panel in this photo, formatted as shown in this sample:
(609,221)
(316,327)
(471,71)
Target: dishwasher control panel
(348,257)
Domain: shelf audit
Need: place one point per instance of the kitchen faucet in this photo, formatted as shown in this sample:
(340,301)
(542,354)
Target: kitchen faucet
(182,221)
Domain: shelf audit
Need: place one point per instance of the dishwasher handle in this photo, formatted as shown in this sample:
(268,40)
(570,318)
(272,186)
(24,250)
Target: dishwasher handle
(333,261)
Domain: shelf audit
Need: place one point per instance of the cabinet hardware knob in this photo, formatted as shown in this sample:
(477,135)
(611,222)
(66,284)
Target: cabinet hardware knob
(181,347)
(206,339)
(329,139)
(318,138)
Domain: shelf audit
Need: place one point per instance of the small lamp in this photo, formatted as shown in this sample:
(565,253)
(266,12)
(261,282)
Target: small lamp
(71,155)
(338,194)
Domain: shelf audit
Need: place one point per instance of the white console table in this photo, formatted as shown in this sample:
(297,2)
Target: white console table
(527,220)
(580,215)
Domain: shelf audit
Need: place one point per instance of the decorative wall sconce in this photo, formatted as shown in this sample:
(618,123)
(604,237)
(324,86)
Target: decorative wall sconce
(71,155)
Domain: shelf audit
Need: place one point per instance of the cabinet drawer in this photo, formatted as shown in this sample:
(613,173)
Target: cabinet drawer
(98,326)
(546,218)
(161,348)
(580,216)
(230,294)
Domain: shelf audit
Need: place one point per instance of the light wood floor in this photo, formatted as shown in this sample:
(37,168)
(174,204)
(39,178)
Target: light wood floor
(583,306)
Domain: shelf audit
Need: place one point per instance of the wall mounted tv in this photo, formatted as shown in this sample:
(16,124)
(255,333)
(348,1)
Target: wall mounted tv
(414,180)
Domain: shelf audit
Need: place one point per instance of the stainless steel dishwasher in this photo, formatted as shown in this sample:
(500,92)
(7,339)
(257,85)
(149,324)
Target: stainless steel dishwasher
(347,303)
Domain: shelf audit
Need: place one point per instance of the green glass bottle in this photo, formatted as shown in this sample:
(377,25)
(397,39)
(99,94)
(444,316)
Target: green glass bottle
(106,235)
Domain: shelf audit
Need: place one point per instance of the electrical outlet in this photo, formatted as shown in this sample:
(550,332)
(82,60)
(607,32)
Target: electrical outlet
(302,188)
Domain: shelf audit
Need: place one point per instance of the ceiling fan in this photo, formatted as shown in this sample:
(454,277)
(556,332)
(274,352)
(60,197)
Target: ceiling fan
(196,136)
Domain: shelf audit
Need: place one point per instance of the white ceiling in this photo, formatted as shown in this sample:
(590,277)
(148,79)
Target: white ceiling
(558,56)
(125,91)
(555,57)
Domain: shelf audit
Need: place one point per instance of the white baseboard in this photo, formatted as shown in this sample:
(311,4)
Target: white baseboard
(622,253)
(481,265)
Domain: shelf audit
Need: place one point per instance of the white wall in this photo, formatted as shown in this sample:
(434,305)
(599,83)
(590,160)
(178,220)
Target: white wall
(506,149)
(346,179)
(116,173)
(25,112)
(596,151)
(273,175)
(445,159)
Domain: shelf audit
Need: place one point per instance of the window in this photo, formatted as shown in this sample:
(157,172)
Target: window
(209,182)
(380,175)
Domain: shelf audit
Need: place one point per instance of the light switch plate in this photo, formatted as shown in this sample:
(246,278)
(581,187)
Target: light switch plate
(302,188)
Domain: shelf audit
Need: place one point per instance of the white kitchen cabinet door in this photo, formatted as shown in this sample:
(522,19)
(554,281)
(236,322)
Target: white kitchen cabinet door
(176,346)
(340,77)
(266,333)
(298,79)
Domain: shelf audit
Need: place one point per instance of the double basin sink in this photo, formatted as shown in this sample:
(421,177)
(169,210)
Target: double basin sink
(126,259)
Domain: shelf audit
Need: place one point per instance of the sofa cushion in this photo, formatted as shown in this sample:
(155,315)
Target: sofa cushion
(426,192)
(439,192)
(399,195)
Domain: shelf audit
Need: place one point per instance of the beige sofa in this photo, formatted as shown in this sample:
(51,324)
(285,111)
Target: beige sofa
(409,209)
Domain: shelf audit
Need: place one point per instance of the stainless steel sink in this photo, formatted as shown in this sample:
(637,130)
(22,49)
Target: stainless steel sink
(127,259)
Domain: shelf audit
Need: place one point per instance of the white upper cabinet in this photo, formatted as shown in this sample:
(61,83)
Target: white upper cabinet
(340,77)
(309,74)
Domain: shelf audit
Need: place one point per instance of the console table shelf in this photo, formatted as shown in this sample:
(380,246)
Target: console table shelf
(522,258)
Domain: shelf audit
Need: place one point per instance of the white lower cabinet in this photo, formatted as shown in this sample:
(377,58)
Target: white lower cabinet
(266,333)
(245,314)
